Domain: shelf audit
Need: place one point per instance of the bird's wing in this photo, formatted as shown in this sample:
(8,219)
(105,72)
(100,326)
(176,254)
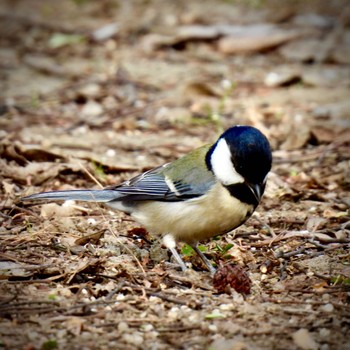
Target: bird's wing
(174,181)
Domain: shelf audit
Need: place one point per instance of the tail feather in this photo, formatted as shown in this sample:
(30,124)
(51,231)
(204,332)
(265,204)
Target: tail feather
(101,196)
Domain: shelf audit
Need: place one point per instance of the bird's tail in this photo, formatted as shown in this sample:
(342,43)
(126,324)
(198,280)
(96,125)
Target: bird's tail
(101,196)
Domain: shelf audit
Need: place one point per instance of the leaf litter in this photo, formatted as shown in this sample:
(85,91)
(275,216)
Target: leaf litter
(90,96)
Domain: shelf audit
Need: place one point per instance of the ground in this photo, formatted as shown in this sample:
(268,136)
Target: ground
(92,93)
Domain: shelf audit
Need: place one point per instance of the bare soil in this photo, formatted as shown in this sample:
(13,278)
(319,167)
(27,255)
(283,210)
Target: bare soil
(94,92)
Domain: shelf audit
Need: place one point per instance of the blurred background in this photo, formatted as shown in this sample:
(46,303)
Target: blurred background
(80,66)
(97,91)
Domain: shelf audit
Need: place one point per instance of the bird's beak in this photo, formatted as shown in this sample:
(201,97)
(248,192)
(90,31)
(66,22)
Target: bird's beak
(257,190)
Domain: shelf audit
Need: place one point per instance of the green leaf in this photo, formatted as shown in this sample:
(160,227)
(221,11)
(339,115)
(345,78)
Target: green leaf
(99,171)
(52,297)
(202,248)
(214,315)
(227,247)
(218,248)
(338,280)
(60,39)
(49,345)
(187,250)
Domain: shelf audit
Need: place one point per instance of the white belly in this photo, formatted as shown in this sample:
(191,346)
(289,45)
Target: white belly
(196,219)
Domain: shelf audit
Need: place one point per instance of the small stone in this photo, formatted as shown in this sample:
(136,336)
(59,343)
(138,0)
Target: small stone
(213,328)
(226,307)
(133,338)
(151,335)
(92,109)
(105,32)
(90,90)
(193,318)
(281,76)
(120,297)
(147,327)
(326,297)
(263,277)
(324,333)
(110,153)
(304,340)
(91,221)
(327,308)
(173,312)
(123,327)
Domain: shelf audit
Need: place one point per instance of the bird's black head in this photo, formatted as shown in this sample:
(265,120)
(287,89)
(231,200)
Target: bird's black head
(241,156)
(250,152)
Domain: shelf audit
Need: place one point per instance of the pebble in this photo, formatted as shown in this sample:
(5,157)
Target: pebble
(133,338)
(326,297)
(92,109)
(304,340)
(123,327)
(282,76)
(327,307)
(110,153)
(173,312)
(90,90)
(324,333)
(213,328)
(91,221)
(194,317)
(120,297)
(226,307)
(147,327)
(105,32)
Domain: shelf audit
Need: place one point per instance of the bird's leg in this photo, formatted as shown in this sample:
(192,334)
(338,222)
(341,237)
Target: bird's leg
(170,243)
(204,259)
(178,258)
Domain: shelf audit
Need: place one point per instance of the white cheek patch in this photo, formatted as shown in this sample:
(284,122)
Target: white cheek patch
(222,165)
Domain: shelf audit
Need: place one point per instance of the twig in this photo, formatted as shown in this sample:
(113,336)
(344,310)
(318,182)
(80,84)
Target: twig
(299,234)
(29,302)
(46,280)
(6,301)
(174,328)
(306,302)
(324,290)
(264,224)
(93,178)
(189,281)
(28,310)
(33,22)
(166,298)
(318,154)
(115,290)
(288,255)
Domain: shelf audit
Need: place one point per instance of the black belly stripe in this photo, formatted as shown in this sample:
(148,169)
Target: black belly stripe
(242,192)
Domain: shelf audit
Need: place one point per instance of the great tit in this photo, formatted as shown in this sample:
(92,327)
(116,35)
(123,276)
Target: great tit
(208,192)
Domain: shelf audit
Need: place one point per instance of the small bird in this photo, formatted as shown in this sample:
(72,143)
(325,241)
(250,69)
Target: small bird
(208,192)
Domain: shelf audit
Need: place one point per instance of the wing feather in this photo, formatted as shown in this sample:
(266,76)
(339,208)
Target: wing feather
(156,185)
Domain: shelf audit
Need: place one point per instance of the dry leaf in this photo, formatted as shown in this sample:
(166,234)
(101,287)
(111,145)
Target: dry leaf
(314,223)
(93,238)
(9,188)
(54,210)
